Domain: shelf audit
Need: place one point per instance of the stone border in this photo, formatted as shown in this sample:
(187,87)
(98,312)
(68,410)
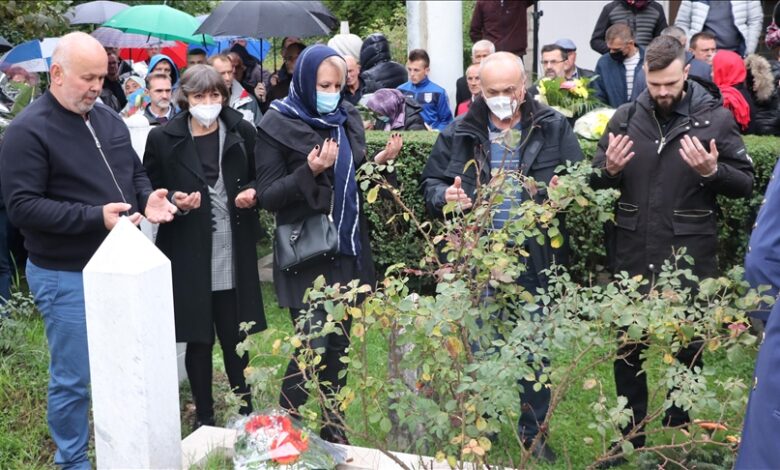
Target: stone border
(196,447)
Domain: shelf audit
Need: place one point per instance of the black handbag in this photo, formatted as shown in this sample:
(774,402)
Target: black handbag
(313,239)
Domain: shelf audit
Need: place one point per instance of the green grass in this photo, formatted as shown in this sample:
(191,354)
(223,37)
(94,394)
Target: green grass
(24,440)
(25,443)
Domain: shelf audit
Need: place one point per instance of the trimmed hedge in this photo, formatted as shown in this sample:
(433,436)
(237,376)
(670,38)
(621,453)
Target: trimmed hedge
(398,241)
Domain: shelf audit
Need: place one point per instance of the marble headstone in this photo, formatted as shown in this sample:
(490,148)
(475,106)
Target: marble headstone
(132,353)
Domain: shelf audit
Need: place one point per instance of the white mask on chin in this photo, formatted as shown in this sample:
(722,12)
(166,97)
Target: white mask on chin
(206,114)
(503,107)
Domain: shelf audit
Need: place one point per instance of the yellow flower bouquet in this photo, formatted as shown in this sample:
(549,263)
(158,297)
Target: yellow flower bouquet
(569,97)
(592,125)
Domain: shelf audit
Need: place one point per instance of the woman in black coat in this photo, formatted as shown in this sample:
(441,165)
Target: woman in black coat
(312,142)
(205,155)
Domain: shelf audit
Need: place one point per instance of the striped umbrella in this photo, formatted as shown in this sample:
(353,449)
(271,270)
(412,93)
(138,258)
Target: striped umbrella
(33,56)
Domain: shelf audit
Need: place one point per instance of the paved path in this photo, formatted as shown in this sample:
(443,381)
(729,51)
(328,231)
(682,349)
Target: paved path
(265,268)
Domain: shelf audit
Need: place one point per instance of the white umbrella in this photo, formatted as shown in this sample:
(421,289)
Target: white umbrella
(97,12)
(110,37)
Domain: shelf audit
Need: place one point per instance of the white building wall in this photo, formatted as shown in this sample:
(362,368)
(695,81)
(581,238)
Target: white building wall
(437,28)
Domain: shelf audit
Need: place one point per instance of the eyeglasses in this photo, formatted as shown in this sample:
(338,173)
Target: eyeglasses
(552,62)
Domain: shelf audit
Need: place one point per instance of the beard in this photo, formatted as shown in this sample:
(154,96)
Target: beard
(86,104)
(667,104)
(162,104)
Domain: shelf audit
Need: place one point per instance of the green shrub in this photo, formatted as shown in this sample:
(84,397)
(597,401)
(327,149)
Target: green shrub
(395,240)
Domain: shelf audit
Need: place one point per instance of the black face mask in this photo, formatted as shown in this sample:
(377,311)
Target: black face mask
(617,56)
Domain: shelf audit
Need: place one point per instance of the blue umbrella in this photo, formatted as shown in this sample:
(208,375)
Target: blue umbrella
(33,56)
(256,47)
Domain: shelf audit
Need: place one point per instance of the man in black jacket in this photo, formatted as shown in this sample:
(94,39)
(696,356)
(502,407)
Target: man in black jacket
(646,18)
(378,71)
(68,173)
(548,141)
(670,153)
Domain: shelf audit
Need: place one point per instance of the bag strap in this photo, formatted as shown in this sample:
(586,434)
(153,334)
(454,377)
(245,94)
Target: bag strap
(330,212)
(332,202)
(631,111)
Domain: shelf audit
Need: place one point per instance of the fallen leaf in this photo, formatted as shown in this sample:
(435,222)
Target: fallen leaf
(589,384)
(710,425)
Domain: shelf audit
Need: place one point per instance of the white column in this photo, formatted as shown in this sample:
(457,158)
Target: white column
(132,353)
(437,27)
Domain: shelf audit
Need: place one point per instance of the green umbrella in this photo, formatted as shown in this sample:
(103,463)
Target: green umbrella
(160,21)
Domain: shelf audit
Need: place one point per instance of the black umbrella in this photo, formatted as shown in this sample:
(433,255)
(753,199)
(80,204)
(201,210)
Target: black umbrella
(97,12)
(322,13)
(269,19)
(5,45)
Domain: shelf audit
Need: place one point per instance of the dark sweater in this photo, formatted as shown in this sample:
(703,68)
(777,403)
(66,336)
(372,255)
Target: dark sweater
(55,181)
(647,23)
(502,22)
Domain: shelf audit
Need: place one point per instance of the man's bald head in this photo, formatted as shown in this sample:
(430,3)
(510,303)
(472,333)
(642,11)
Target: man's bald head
(353,71)
(78,66)
(77,45)
(472,79)
(504,64)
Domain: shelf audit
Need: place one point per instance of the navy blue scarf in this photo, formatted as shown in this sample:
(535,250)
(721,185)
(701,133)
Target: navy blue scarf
(301,103)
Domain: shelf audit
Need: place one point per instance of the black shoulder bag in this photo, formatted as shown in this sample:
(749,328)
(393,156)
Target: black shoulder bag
(311,240)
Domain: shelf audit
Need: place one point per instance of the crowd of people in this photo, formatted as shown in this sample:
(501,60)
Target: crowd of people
(229,138)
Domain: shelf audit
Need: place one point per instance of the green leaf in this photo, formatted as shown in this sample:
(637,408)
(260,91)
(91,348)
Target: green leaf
(627,447)
(385,425)
(635,332)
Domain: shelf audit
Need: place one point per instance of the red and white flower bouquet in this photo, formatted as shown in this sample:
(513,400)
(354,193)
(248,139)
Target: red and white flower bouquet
(274,440)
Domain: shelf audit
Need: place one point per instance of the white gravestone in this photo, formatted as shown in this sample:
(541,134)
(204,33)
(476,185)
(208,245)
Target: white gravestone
(139,129)
(132,353)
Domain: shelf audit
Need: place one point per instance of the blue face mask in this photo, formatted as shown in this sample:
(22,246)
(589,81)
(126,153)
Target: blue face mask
(384,119)
(327,102)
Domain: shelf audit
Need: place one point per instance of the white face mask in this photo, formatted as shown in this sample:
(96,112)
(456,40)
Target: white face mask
(206,114)
(502,106)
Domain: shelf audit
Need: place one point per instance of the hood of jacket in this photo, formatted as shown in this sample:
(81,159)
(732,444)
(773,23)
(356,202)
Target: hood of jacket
(704,96)
(375,50)
(760,77)
(174,71)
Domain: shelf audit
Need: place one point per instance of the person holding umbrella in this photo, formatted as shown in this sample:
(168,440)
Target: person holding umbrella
(280,81)
(252,72)
(311,142)
(205,155)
